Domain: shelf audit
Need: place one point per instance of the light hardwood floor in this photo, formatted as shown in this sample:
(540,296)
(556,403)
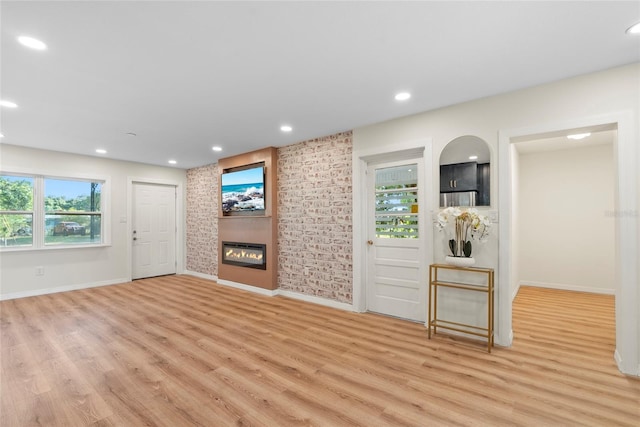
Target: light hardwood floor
(182,351)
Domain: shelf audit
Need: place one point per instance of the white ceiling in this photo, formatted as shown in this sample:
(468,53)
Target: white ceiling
(185,76)
(559,140)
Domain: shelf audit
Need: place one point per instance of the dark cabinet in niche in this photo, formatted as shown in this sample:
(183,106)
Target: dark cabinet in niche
(459,177)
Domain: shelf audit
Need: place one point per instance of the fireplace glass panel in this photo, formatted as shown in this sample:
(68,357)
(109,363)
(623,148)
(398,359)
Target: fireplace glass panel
(251,255)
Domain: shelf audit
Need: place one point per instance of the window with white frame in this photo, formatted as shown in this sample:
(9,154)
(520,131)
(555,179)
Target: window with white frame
(16,211)
(40,211)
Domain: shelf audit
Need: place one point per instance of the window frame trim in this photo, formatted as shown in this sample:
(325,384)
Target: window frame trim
(39,213)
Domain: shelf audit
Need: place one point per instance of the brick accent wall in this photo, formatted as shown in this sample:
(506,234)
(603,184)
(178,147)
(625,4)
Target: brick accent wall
(203,193)
(315,217)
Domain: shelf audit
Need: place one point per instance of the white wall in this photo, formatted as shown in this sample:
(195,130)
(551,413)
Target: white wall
(81,267)
(567,228)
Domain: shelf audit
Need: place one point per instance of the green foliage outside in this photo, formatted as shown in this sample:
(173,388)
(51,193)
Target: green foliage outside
(17,195)
(400,201)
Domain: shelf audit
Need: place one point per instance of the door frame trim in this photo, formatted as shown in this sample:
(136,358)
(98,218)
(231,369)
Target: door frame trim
(180,215)
(361,160)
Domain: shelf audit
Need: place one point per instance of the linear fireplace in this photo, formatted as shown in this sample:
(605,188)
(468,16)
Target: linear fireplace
(251,255)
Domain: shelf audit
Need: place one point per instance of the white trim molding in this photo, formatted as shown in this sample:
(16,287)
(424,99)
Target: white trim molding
(288,294)
(566,287)
(249,288)
(316,300)
(46,291)
(200,275)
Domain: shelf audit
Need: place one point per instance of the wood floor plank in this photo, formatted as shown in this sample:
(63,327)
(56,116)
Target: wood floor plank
(180,350)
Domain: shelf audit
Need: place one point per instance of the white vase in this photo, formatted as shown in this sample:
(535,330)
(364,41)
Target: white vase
(459,261)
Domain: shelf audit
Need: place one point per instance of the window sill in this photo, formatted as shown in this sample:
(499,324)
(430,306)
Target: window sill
(8,249)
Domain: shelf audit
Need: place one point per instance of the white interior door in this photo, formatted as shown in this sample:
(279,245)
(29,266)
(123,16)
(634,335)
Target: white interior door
(396,279)
(154,230)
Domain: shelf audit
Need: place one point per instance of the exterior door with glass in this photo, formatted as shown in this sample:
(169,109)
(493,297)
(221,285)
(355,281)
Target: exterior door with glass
(396,279)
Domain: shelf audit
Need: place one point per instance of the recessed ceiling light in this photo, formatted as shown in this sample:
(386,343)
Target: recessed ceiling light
(634,29)
(577,136)
(173,162)
(32,43)
(286,128)
(473,157)
(216,148)
(101,151)
(402,96)
(8,104)
(131,134)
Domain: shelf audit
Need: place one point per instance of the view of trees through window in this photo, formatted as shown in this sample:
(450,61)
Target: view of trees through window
(71,211)
(16,210)
(396,212)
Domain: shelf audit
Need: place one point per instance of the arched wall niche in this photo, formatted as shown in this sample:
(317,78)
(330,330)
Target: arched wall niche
(465,172)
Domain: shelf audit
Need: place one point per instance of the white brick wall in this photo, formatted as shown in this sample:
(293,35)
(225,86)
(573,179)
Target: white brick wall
(315,217)
(203,195)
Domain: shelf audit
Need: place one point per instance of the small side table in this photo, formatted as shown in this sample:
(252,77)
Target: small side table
(433,320)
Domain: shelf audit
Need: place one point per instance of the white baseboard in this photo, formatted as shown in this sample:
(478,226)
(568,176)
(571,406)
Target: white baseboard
(254,289)
(618,359)
(289,294)
(200,275)
(566,287)
(316,300)
(515,292)
(45,291)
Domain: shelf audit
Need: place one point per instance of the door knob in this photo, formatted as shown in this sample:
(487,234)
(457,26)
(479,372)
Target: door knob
(369,242)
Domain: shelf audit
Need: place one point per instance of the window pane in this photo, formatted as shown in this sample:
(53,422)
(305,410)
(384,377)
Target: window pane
(396,202)
(397,226)
(66,195)
(15,230)
(72,229)
(16,193)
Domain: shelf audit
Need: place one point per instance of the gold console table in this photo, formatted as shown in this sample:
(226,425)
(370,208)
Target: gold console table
(434,283)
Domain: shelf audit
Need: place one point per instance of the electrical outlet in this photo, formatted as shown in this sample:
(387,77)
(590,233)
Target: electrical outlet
(39,271)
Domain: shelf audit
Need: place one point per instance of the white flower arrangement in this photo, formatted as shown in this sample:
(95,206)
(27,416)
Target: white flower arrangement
(466,225)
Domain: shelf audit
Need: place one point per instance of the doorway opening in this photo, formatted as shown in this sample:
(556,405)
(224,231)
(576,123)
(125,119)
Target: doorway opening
(625,187)
(563,210)
(564,229)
